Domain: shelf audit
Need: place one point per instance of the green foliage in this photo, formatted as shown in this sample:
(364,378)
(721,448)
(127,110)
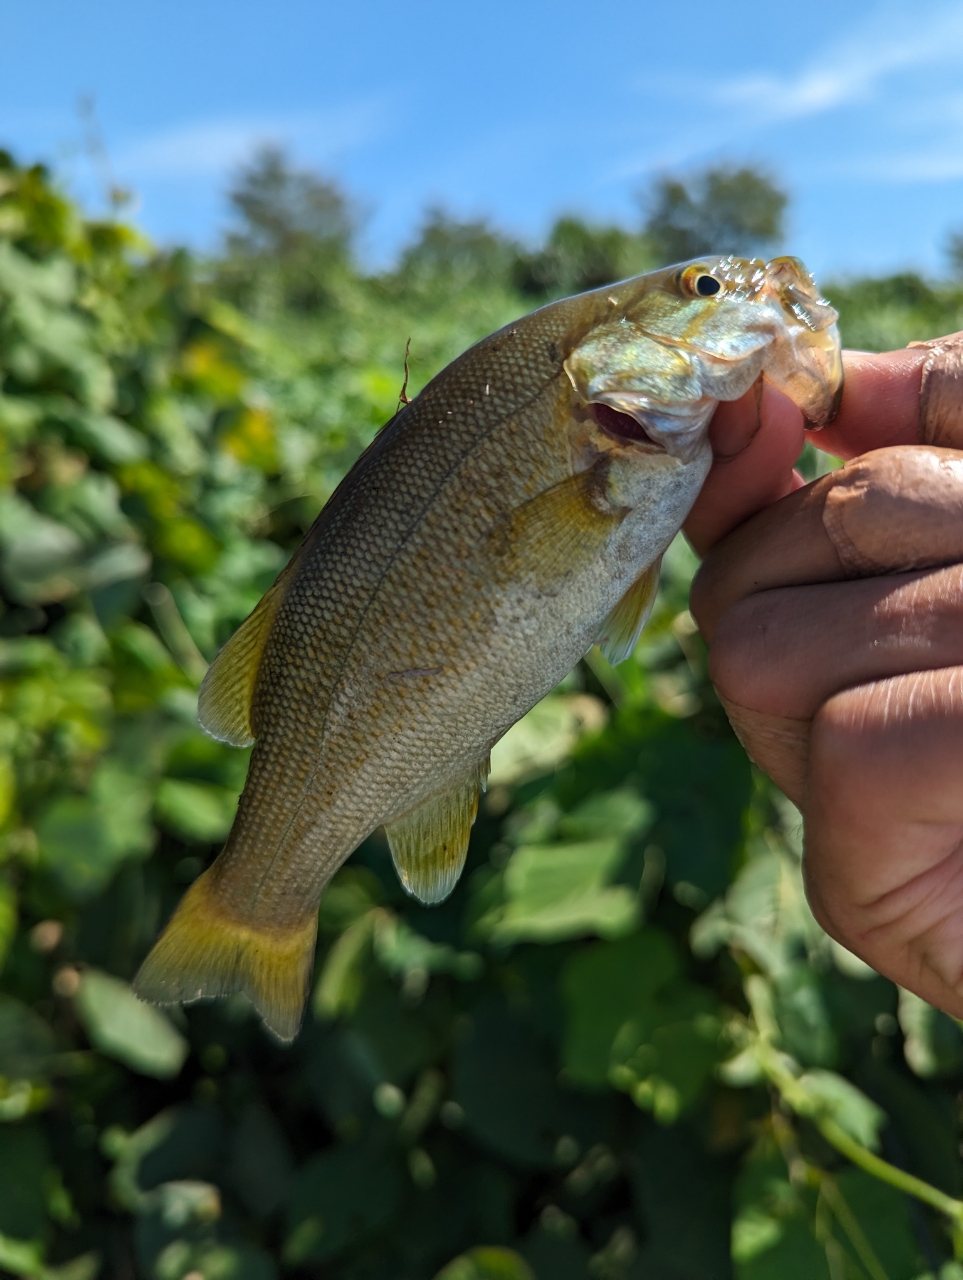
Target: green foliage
(451,254)
(722,210)
(293,230)
(882,315)
(622,1049)
(577,256)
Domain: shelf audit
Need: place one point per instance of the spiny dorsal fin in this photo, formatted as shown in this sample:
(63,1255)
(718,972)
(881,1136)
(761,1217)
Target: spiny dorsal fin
(429,844)
(620,631)
(204,953)
(226,693)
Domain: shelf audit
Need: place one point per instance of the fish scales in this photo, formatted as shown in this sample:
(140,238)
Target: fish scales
(511,515)
(333,594)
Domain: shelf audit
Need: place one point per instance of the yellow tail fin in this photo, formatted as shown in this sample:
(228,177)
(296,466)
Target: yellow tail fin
(204,953)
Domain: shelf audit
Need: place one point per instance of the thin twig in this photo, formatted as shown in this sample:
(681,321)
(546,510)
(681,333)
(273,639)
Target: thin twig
(403,394)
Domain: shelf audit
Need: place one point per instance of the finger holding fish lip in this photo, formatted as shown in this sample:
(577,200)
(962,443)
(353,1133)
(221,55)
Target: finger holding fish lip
(756,440)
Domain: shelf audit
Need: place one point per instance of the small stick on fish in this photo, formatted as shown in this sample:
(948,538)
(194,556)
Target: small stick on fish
(403,394)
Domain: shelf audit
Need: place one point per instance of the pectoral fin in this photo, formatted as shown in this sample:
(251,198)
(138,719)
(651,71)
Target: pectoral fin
(621,629)
(227,691)
(429,844)
(557,531)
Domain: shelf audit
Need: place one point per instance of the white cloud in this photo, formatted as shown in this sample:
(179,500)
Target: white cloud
(206,148)
(891,72)
(853,69)
(933,166)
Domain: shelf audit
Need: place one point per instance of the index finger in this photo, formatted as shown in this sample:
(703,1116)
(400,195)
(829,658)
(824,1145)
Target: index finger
(756,440)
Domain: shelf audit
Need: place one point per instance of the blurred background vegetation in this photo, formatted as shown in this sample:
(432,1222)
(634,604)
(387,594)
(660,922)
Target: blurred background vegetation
(623,1049)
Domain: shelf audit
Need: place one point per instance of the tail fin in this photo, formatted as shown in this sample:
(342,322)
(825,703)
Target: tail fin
(204,953)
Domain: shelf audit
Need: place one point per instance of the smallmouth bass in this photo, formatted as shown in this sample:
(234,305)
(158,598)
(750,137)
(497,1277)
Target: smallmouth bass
(511,516)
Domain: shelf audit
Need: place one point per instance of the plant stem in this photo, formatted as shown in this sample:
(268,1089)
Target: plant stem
(777,1068)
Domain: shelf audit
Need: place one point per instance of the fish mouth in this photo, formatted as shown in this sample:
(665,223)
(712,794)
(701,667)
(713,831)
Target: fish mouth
(623,427)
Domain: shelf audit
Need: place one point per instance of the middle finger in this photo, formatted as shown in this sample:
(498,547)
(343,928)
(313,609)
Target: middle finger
(784,652)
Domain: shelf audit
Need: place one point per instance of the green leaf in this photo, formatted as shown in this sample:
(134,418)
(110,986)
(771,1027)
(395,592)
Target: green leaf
(933,1041)
(621,814)
(700,781)
(884,1214)
(558,891)
(490,1263)
(832,1095)
(259,1160)
(667,1071)
(634,1023)
(217,1262)
(24,1157)
(123,1027)
(793,1254)
(684,1196)
(605,987)
(104,436)
(543,737)
(339,1198)
(84,838)
(196,810)
(9,918)
(505,1079)
(340,981)
(800,1009)
(402,951)
(26,1041)
(21,1257)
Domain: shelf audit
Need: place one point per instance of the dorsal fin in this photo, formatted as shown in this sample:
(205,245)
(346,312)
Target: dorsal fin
(619,633)
(227,690)
(429,844)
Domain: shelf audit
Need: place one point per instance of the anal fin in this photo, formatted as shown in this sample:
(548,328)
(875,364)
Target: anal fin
(620,631)
(429,844)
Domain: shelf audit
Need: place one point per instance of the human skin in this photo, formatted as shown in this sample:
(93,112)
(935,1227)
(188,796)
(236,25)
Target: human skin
(834,618)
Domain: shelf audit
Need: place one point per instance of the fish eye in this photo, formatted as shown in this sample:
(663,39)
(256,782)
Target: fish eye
(698,282)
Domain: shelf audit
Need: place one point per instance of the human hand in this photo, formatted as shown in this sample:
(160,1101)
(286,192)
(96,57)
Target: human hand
(834,619)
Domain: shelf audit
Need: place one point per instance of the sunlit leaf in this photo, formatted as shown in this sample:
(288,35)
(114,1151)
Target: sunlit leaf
(123,1027)
(487,1264)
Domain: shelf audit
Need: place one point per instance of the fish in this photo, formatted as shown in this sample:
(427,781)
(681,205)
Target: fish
(509,517)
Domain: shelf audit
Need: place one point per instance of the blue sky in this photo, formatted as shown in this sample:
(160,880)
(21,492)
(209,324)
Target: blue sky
(514,109)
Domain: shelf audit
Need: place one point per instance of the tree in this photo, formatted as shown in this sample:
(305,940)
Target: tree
(293,227)
(580,256)
(954,254)
(722,210)
(448,249)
